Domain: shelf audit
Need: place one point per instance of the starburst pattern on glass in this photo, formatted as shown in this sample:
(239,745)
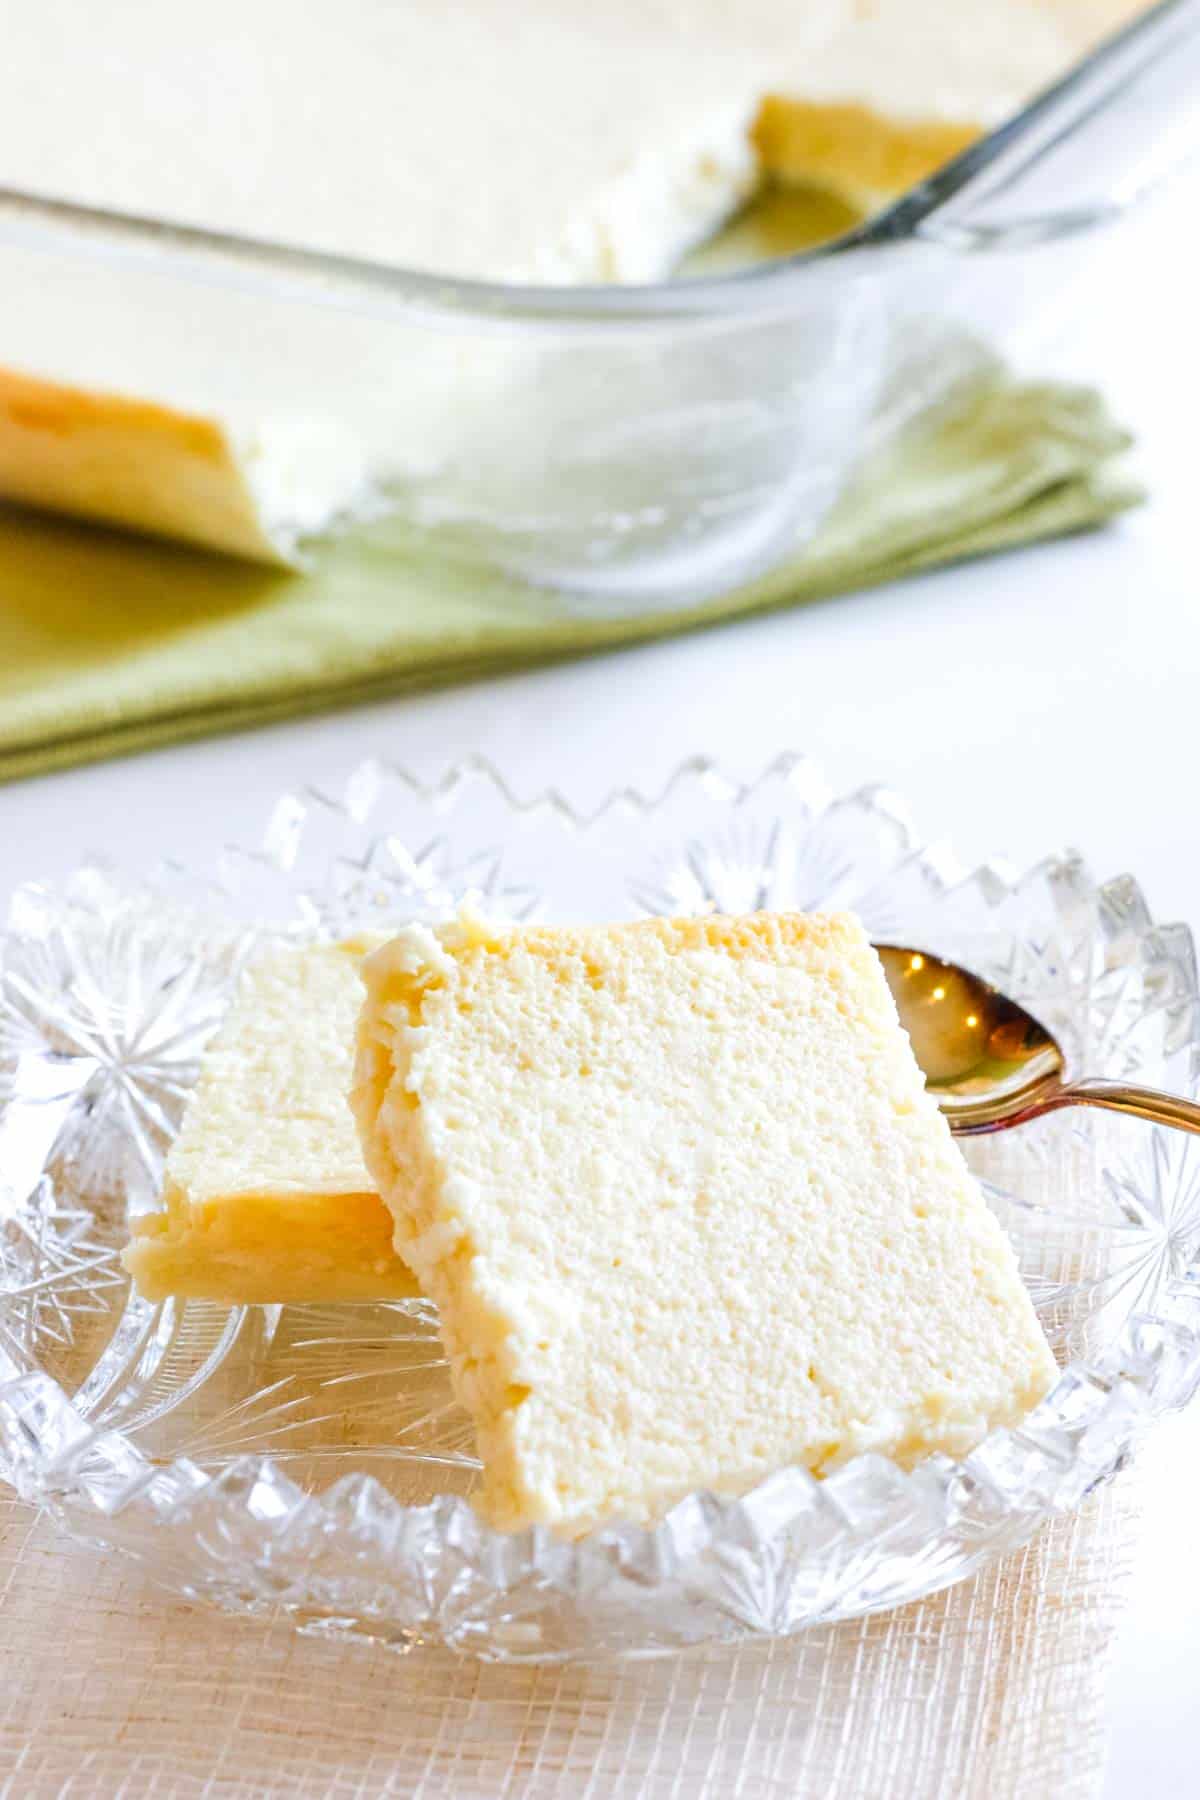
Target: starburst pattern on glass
(314,1458)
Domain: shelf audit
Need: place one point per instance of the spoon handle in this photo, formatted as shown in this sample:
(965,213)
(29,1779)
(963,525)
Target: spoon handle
(1151,1104)
(1138,1102)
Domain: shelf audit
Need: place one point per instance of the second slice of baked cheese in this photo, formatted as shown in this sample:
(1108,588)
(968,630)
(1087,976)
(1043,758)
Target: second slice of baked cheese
(685,1207)
(266,1198)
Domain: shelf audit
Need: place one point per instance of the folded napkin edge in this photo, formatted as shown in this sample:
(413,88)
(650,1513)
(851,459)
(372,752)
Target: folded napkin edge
(1075,504)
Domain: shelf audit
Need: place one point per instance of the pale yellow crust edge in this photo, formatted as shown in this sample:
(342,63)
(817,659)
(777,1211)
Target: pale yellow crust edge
(269,1249)
(851,150)
(129,463)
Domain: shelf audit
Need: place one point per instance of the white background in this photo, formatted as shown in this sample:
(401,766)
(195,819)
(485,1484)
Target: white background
(1043,698)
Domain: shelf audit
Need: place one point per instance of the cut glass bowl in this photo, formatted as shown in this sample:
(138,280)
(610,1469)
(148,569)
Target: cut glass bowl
(312,1458)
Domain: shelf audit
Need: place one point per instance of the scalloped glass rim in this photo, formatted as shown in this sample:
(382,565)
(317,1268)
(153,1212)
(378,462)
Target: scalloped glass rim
(1121,990)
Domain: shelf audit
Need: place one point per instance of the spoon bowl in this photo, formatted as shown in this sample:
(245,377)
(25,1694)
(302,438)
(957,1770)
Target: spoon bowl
(989,1063)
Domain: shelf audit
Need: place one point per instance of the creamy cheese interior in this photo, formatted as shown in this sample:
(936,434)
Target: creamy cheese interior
(544,140)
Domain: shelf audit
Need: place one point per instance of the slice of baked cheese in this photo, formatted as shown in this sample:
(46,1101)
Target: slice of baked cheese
(266,1197)
(685,1207)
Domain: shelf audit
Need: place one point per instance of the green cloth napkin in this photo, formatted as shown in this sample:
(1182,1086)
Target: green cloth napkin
(110,643)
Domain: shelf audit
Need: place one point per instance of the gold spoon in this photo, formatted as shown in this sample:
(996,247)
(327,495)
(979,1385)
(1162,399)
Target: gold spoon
(989,1063)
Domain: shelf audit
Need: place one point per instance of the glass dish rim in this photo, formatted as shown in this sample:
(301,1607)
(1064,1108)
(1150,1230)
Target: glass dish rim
(373,287)
(1153,1367)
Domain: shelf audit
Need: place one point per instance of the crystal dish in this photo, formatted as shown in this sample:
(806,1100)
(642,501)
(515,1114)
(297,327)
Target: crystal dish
(312,1459)
(644,444)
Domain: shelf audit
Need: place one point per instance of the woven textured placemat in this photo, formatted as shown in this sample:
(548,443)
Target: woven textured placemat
(994,1690)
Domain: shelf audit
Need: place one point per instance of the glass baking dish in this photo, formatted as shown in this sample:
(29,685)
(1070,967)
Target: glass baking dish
(637,444)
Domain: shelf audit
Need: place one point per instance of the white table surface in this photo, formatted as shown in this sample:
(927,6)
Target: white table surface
(1042,698)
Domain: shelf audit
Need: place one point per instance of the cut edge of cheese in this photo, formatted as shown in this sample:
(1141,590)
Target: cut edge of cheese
(527,1290)
(640,225)
(152,468)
